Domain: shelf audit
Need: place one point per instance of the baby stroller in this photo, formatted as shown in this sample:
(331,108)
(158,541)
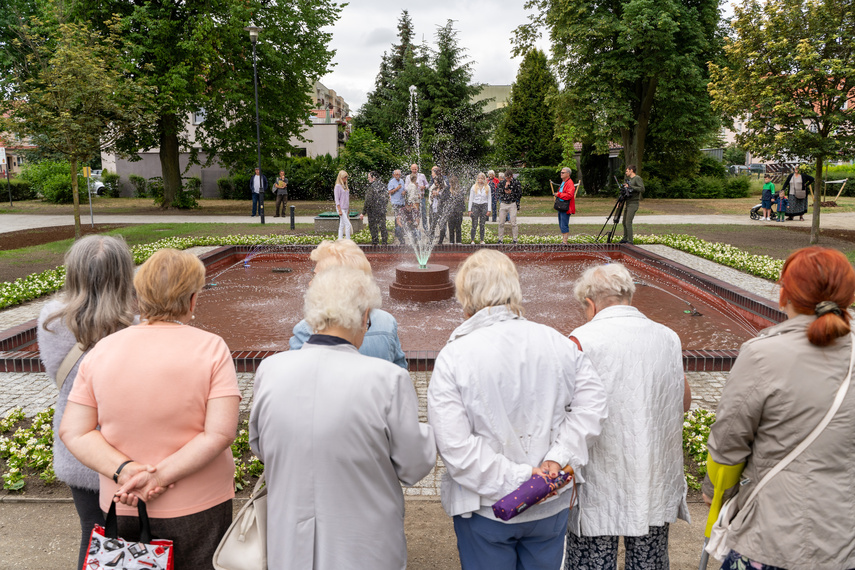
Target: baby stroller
(756,212)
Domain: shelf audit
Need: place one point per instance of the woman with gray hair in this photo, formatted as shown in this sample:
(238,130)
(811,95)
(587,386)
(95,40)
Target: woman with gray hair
(96,300)
(635,490)
(338,433)
(508,399)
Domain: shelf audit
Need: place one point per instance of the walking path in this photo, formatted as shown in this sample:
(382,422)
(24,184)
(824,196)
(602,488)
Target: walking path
(17,222)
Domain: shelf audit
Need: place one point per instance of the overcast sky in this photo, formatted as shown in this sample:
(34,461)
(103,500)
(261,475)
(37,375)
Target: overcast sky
(367,28)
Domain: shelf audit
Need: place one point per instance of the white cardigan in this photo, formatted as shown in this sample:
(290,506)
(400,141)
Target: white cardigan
(634,478)
(507,394)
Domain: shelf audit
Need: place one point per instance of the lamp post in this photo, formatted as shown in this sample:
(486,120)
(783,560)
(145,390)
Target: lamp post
(253,36)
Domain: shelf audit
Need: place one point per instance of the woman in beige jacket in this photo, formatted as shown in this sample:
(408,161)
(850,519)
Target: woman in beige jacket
(780,388)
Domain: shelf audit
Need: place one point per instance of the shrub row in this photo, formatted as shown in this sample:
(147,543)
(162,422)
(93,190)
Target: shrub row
(701,187)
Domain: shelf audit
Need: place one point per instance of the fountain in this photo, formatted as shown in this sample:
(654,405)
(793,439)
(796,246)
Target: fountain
(424,282)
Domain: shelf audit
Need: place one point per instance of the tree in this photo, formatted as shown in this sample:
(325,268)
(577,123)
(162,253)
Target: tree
(527,130)
(456,128)
(375,113)
(791,72)
(630,67)
(197,58)
(364,152)
(450,126)
(70,92)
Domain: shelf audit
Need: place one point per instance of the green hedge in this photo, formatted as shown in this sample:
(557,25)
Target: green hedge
(21,190)
(139,184)
(308,179)
(698,187)
(535,181)
(112,186)
(51,179)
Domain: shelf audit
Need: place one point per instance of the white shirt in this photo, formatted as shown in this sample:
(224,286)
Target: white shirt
(507,394)
(479,196)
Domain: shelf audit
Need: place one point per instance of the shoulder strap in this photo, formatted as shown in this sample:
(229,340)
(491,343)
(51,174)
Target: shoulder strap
(838,400)
(68,363)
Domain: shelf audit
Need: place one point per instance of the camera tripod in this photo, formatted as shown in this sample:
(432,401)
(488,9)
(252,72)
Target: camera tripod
(616,212)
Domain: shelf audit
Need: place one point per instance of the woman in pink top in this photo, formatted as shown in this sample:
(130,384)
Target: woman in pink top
(165,397)
(342,205)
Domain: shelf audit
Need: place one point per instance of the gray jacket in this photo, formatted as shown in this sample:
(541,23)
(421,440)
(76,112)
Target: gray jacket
(54,346)
(779,389)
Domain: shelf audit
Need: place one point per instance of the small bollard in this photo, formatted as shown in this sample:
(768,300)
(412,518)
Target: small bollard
(292,217)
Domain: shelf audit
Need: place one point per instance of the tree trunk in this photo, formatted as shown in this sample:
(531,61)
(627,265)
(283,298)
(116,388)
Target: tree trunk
(634,138)
(169,154)
(75,197)
(818,191)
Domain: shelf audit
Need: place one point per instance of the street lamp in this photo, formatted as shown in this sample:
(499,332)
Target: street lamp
(253,36)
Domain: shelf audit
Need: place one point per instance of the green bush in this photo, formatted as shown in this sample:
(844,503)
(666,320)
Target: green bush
(226,186)
(139,185)
(21,190)
(679,188)
(189,195)
(737,187)
(709,166)
(154,189)
(653,188)
(52,180)
(112,184)
(535,181)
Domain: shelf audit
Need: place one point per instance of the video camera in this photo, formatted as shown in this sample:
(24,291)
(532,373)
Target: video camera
(625,190)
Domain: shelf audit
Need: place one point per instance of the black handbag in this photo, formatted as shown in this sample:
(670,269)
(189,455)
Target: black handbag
(561,205)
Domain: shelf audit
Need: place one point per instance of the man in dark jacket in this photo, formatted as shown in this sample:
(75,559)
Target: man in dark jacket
(376,202)
(636,185)
(258,186)
(510,192)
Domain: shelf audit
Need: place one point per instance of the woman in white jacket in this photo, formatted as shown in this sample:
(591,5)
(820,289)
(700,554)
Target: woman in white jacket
(508,398)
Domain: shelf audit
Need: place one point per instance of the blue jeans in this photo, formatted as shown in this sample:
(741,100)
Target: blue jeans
(564,222)
(257,203)
(486,544)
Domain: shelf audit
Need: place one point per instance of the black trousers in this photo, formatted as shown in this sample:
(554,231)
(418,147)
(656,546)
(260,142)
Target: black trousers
(377,225)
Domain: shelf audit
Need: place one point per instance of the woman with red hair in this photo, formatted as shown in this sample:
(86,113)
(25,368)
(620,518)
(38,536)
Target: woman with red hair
(781,388)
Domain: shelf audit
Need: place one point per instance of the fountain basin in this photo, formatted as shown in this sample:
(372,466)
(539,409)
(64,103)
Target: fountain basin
(421,284)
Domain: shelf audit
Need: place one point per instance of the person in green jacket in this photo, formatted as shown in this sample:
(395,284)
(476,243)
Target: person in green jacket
(637,187)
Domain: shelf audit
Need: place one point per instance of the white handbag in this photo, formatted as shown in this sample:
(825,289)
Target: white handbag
(717,544)
(244,546)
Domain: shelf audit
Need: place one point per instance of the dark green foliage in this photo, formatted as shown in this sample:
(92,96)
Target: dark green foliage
(709,166)
(453,130)
(535,181)
(698,187)
(198,57)
(595,170)
(308,179)
(226,186)
(21,189)
(139,184)
(154,189)
(632,69)
(526,132)
(111,180)
(365,152)
(734,154)
(51,180)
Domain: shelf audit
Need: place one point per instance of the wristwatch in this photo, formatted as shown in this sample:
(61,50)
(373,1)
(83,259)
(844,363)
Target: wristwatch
(119,470)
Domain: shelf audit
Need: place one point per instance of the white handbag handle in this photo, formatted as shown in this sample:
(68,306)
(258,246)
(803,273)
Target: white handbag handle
(838,400)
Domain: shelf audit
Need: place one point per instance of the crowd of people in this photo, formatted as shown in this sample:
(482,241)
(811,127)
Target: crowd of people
(149,406)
